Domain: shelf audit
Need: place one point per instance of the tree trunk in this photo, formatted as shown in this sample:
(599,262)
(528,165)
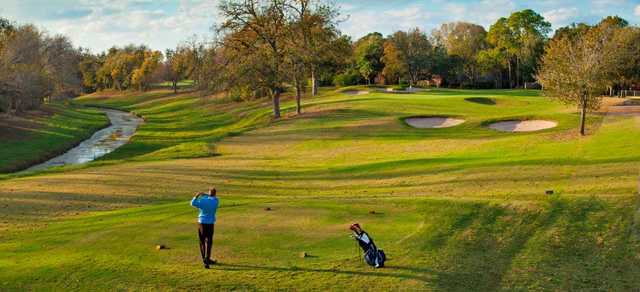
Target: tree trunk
(314,82)
(298,96)
(175,86)
(517,72)
(276,104)
(510,77)
(583,115)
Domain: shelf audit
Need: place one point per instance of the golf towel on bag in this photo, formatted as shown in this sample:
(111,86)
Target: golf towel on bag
(372,255)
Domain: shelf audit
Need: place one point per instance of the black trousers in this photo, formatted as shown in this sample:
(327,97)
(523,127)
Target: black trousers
(205,233)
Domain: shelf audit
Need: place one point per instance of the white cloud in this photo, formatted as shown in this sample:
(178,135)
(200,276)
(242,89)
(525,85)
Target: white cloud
(362,22)
(346,7)
(604,6)
(158,24)
(607,2)
(456,11)
(561,16)
(485,12)
(161,24)
(425,17)
(488,11)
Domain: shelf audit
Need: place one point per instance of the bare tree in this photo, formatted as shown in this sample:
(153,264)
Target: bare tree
(257,30)
(63,64)
(313,32)
(25,80)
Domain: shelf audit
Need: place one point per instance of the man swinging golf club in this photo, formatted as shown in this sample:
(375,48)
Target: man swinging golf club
(207,203)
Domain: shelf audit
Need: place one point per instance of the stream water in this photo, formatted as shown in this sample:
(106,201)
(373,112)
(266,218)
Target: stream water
(123,126)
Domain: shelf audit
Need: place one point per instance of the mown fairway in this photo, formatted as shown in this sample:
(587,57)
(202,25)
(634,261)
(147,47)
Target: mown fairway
(461,208)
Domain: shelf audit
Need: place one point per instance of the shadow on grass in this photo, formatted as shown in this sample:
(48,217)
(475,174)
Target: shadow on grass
(481,100)
(420,274)
(400,168)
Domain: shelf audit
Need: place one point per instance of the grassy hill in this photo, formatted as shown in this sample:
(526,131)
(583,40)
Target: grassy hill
(461,208)
(36,136)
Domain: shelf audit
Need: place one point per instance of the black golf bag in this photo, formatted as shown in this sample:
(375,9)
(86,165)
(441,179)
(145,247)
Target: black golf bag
(372,255)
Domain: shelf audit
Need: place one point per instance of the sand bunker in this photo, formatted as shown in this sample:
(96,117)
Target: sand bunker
(433,122)
(355,92)
(523,126)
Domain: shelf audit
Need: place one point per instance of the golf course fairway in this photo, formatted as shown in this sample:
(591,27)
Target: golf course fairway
(464,208)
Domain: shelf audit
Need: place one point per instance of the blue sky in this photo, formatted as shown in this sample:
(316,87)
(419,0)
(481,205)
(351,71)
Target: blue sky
(161,24)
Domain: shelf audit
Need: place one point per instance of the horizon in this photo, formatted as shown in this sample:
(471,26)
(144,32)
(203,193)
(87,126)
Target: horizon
(161,25)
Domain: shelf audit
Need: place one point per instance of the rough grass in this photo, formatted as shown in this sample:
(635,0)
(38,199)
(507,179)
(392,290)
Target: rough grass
(461,208)
(179,126)
(37,136)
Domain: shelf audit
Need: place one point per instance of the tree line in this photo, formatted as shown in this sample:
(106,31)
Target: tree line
(35,66)
(263,48)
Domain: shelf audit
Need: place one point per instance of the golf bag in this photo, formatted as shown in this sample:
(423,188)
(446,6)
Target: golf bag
(372,255)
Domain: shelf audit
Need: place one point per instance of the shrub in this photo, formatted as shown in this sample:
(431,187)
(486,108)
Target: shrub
(347,78)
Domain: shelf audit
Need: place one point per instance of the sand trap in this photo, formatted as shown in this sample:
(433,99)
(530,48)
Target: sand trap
(433,122)
(523,126)
(355,92)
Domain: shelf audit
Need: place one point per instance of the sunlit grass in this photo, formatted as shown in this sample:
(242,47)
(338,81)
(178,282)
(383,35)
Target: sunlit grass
(461,208)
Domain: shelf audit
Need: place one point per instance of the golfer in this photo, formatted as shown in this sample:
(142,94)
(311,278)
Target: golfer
(207,203)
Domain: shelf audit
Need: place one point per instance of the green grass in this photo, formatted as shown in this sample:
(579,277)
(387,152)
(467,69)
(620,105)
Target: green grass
(179,126)
(38,136)
(456,209)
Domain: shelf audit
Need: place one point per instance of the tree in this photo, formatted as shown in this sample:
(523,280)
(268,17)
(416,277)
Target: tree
(122,68)
(396,66)
(179,65)
(623,43)
(368,53)
(257,31)
(25,79)
(625,47)
(577,70)
(194,51)
(501,37)
(215,69)
(416,53)
(142,76)
(6,31)
(522,37)
(572,31)
(463,41)
(313,33)
(63,66)
(614,21)
(89,66)
(493,61)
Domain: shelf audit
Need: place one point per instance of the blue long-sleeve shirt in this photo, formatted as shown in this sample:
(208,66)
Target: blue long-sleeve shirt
(208,206)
